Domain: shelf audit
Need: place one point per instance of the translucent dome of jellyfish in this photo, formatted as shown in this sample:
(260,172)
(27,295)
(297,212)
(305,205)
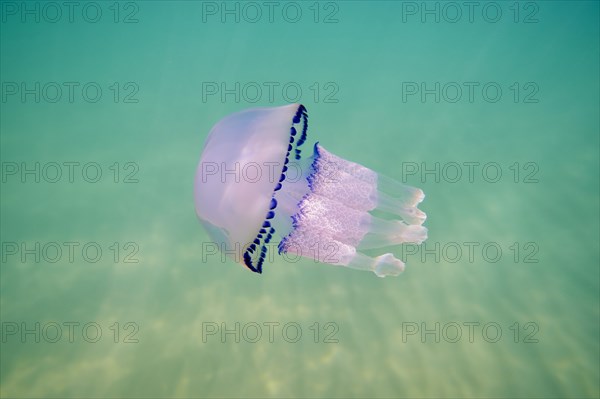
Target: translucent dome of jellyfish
(253,185)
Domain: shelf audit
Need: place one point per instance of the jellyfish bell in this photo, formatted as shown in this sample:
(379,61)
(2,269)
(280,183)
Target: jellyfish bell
(254,185)
(239,168)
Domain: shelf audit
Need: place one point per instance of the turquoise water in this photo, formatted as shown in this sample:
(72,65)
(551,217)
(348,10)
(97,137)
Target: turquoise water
(361,68)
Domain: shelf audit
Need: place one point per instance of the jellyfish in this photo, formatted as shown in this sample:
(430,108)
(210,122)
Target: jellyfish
(254,186)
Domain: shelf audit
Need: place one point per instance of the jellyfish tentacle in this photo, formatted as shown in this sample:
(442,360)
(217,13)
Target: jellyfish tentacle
(361,188)
(405,195)
(383,233)
(382,265)
(409,213)
(339,254)
(333,219)
(321,221)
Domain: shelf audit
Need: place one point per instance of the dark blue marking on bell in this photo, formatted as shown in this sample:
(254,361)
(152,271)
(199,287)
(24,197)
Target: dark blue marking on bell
(302,138)
(297,115)
(248,262)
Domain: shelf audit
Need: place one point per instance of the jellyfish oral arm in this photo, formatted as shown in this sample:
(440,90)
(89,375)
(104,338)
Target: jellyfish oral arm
(334,221)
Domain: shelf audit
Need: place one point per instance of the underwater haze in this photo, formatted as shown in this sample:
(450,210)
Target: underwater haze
(111,287)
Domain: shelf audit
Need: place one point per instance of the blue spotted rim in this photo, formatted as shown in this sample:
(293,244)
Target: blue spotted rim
(255,253)
(283,244)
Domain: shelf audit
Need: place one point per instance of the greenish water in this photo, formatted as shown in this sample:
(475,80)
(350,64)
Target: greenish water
(355,72)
